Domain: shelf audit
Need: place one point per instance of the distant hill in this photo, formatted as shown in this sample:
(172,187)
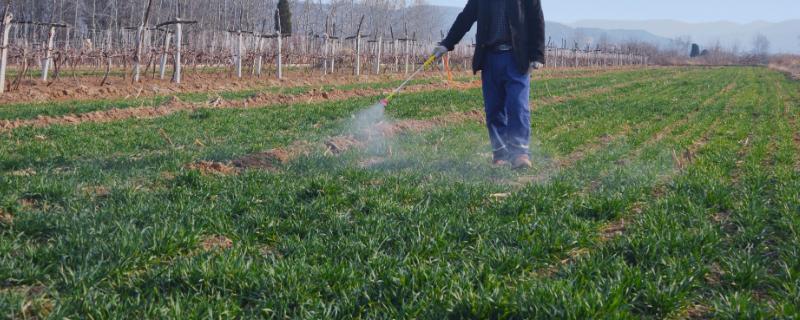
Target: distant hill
(559,32)
(784,36)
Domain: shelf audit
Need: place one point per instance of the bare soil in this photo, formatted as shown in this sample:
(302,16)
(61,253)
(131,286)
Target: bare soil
(6,218)
(216,243)
(267,160)
(212,168)
(261,100)
(697,311)
(787,64)
(96,191)
(341,144)
(369,162)
(88,87)
(23,173)
(614,229)
(175,105)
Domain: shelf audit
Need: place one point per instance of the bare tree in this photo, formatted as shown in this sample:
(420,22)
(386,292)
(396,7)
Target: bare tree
(761,46)
(130,35)
(140,42)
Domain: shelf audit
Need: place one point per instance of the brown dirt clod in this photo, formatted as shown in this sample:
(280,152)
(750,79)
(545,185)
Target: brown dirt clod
(262,160)
(23,173)
(267,251)
(212,168)
(216,243)
(28,202)
(37,304)
(697,311)
(6,218)
(369,162)
(341,144)
(97,191)
(613,230)
(714,275)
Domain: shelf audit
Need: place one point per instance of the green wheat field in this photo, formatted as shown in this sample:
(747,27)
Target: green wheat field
(655,193)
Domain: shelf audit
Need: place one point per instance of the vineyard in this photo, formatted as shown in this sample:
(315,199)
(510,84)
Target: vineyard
(655,193)
(174,41)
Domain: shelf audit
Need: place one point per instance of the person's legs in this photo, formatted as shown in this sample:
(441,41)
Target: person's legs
(517,105)
(494,96)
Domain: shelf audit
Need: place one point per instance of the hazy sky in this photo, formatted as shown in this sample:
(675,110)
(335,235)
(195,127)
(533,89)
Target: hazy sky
(685,10)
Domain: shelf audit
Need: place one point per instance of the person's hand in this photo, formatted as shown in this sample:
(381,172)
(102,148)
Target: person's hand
(439,51)
(536,65)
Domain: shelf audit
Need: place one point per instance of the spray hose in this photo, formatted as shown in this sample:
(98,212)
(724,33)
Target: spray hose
(385,101)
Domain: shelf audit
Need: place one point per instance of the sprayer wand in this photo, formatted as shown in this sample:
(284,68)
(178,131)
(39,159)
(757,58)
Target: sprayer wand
(385,101)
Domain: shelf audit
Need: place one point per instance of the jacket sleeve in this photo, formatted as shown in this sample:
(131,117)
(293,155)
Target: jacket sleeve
(537,32)
(463,23)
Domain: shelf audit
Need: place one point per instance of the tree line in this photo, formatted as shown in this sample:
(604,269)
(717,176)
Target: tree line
(89,18)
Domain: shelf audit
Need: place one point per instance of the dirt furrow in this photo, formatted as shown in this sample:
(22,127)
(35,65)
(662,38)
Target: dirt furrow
(670,128)
(558,164)
(86,88)
(791,116)
(584,94)
(617,228)
(259,101)
(176,105)
(681,162)
(715,274)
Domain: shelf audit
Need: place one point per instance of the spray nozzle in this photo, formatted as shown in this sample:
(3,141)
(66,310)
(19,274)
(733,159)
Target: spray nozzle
(385,102)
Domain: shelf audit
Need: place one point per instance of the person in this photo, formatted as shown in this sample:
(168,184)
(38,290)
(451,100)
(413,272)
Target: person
(509,44)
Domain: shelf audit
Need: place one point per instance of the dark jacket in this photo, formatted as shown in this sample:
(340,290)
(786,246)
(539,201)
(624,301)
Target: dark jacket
(526,20)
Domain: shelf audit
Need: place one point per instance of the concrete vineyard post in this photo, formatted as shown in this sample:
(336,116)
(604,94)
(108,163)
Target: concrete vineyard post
(167,40)
(333,55)
(178,44)
(406,54)
(358,54)
(69,39)
(577,62)
(325,55)
(280,62)
(48,55)
(260,59)
(239,54)
(396,57)
(378,56)
(140,35)
(4,49)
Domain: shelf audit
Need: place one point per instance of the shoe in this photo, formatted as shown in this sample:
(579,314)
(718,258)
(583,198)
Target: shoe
(500,162)
(522,162)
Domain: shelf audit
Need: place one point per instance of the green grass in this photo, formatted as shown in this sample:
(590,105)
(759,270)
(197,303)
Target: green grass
(31,111)
(418,234)
(53,109)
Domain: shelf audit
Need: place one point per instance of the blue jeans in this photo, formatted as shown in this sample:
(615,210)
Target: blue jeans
(506,95)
